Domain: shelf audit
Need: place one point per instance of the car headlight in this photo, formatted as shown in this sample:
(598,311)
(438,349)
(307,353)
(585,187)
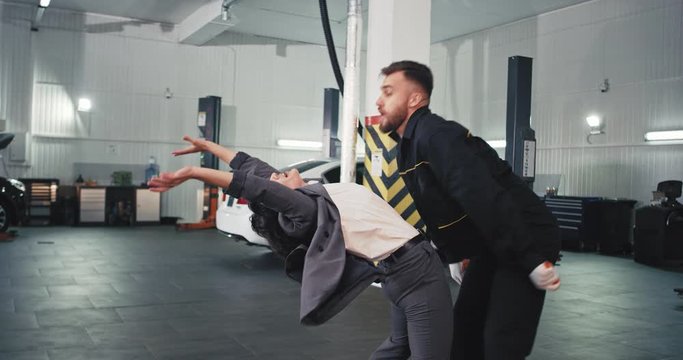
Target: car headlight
(17,184)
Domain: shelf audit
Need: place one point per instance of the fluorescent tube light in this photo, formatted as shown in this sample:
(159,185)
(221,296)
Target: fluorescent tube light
(497,144)
(301,144)
(664,135)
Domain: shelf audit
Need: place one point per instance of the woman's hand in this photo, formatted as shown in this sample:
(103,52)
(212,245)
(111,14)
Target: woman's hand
(168,180)
(199,145)
(196,145)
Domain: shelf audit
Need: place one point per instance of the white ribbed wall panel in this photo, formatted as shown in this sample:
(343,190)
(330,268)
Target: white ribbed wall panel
(57,156)
(637,45)
(15,77)
(278,95)
(15,67)
(270,89)
(621,171)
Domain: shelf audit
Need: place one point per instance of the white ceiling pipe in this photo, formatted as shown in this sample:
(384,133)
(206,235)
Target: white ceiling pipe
(351,99)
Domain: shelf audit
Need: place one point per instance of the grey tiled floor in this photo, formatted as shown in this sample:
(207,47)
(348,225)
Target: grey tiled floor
(153,293)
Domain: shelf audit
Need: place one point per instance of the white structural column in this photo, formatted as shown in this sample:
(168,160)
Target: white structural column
(397,30)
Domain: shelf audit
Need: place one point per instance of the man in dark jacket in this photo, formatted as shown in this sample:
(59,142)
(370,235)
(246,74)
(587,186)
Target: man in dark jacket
(474,207)
(338,239)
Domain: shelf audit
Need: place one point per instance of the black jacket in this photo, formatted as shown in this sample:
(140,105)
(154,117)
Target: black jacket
(469,198)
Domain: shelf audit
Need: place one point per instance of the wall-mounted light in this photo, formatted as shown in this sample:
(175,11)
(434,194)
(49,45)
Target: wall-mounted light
(672,135)
(84,104)
(300,144)
(594,121)
(596,125)
(38,16)
(497,144)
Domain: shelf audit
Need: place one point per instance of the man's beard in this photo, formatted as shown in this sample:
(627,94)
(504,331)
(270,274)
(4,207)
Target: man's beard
(392,121)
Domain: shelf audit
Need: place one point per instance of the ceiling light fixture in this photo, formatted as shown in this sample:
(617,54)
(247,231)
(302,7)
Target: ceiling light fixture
(672,135)
(300,144)
(497,144)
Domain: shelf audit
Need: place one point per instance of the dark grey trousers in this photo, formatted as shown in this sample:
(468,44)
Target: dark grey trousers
(421,308)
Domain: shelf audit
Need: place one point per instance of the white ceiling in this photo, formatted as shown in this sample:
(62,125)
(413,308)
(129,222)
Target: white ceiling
(299,20)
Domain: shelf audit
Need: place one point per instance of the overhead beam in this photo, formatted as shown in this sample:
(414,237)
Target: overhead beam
(202,25)
(206,23)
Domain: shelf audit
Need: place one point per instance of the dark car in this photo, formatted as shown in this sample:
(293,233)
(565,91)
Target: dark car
(12,202)
(12,197)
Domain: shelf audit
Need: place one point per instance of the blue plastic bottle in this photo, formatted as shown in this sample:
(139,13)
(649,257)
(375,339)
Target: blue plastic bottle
(152,169)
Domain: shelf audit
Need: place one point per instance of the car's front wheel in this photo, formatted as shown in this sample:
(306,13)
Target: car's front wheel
(4,216)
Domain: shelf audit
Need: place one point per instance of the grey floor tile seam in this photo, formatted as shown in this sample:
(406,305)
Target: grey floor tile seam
(52,345)
(63,280)
(25,355)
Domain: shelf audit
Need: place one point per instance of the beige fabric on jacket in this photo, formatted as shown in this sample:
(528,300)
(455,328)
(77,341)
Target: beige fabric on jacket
(372,229)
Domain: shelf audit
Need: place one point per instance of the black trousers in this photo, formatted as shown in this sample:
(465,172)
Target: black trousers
(497,312)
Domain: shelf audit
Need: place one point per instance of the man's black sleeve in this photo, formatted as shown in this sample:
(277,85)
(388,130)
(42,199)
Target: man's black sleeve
(467,179)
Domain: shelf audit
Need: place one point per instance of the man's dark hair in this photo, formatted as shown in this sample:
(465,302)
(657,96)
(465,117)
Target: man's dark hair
(413,71)
(265,222)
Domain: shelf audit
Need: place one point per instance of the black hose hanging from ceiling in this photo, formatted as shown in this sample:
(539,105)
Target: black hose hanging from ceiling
(333,54)
(330,45)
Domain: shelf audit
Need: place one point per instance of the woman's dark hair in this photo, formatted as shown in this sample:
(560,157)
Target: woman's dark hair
(264,222)
(413,71)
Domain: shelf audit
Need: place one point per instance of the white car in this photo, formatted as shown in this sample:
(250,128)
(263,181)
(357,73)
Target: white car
(232,216)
